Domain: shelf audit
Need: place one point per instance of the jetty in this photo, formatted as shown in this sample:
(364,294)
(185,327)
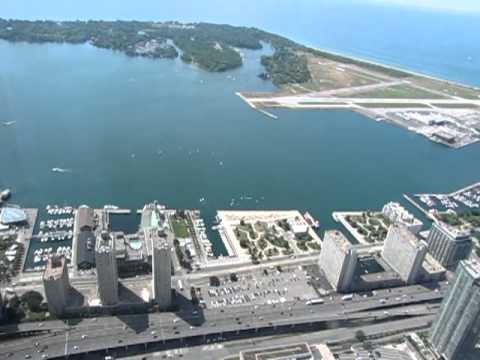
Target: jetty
(417,205)
(254,107)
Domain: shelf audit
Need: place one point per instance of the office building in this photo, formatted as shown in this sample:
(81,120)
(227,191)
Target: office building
(457,326)
(449,245)
(396,213)
(56,285)
(338,260)
(404,252)
(107,272)
(161,266)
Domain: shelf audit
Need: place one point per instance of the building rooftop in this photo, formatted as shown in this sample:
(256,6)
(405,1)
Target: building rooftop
(325,352)
(407,236)
(85,217)
(55,268)
(458,233)
(158,239)
(104,243)
(472,267)
(12,215)
(86,249)
(378,353)
(131,247)
(151,217)
(431,265)
(339,239)
(401,214)
(384,276)
(286,352)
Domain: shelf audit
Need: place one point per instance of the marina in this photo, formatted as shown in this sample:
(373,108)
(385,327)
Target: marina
(51,235)
(462,200)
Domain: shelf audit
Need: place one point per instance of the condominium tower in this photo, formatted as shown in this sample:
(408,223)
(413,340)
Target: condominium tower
(107,272)
(457,326)
(57,285)
(338,260)
(404,252)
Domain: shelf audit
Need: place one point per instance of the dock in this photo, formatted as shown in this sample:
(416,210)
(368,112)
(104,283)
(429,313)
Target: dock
(419,207)
(254,107)
(25,235)
(465,189)
(120,211)
(265,112)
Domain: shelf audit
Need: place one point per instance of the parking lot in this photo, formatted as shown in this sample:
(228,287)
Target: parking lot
(269,286)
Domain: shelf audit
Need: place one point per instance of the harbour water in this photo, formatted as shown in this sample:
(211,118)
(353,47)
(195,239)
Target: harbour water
(133,130)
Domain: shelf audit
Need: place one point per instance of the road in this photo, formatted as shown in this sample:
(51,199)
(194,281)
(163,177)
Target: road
(231,348)
(130,330)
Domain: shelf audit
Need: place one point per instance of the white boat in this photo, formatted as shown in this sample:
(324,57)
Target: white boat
(111,207)
(60,170)
(311,220)
(5,194)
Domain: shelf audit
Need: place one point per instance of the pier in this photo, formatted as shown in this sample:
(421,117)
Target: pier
(265,112)
(25,235)
(417,205)
(458,192)
(121,211)
(254,107)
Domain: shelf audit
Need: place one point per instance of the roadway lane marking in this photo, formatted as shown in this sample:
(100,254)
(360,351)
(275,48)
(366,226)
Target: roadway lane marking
(66,343)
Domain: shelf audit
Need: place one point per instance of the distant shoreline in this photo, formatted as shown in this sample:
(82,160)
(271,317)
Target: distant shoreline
(395,67)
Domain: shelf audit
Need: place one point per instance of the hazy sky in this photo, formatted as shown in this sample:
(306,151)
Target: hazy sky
(447,5)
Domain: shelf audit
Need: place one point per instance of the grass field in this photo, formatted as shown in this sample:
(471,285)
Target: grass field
(448,88)
(396,92)
(180,228)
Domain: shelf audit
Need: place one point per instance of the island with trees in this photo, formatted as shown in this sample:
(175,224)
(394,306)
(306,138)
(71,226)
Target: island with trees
(212,47)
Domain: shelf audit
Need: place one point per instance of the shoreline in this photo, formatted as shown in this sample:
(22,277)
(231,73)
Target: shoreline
(394,67)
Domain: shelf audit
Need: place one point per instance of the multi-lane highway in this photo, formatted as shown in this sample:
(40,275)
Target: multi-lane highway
(91,335)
